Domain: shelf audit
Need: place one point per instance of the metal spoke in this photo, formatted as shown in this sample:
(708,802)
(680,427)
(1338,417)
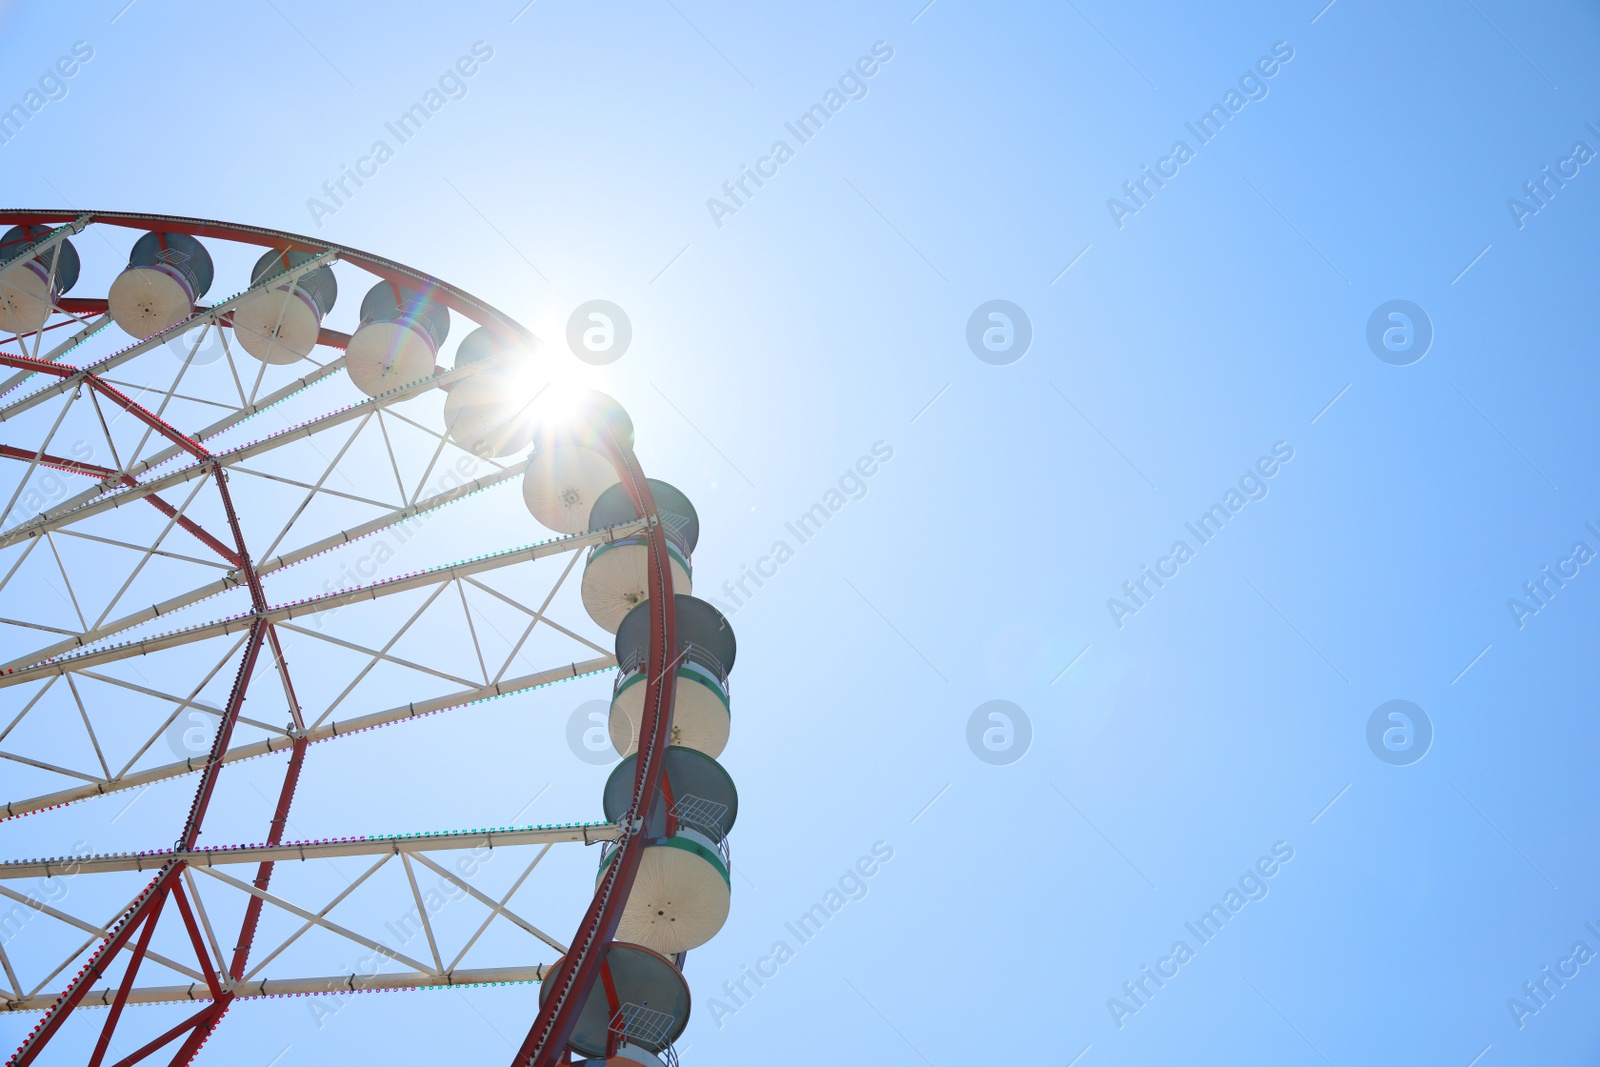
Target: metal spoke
(22,483)
(537,616)
(394,464)
(116,359)
(434,459)
(22,557)
(205,924)
(89,727)
(472,630)
(15,988)
(325,923)
(499,909)
(62,567)
(156,544)
(444,438)
(163,553)
(422,911)
(509,893)
(342,728)
(43,766)
(101,498)
(36,626)
(63,966)
(283,987)
(175,396)
(167,394)
(105,427)
(313,489)
(89,330)
(98,931)
(286,480)
(288,559)
(233,370)
(379,655)
(292,938)
(12,725)
(188,702)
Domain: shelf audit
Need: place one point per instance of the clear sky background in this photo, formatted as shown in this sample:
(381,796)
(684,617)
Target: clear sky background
(1171,348)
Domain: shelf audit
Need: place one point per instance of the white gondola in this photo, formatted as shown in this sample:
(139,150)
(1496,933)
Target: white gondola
(280,324)
(616,575)
(398,339)
(569,468)
(30,286)
(166,274)
(489,412)
(701,718)
(634,1014)
(682,892)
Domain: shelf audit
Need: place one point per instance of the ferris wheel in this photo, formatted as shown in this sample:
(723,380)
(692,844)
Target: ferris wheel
(236,537)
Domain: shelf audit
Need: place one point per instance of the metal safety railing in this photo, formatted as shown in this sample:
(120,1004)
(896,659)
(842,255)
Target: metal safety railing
(690,653)
(705,818)
(671,525)
(646,1027)
(702,816)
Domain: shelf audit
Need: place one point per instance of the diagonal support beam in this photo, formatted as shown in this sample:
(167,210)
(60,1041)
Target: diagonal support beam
(325,923)
(342,728)
(399,517)
(587,833)
(328,985)
(101,498)
(202,316)
(32,666)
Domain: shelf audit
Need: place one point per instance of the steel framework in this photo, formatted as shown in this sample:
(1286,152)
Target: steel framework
(210,585)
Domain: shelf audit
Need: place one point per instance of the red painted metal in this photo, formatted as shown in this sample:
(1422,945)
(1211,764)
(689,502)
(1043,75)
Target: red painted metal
(53,1020)
(180,899)
(149,1047)
(97,305)
(60,463)
(125,987)
(190,526)
(455,299)
(219,744)
(546,1042)
(182,440)
(202,1031)
(93,470)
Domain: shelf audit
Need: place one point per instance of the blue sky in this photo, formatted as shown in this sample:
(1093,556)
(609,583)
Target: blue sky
(1172,348)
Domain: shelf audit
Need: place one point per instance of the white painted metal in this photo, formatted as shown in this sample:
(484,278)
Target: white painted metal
(288,987)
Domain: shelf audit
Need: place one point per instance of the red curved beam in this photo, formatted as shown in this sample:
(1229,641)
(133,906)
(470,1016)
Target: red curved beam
(546,1043)
(98,305)
(452,297)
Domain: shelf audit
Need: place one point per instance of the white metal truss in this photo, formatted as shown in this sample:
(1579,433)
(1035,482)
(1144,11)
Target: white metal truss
(143,483)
